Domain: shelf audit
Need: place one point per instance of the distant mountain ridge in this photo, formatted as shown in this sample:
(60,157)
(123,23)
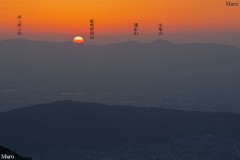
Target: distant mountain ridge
(66,124)
(139,73)
(24,58)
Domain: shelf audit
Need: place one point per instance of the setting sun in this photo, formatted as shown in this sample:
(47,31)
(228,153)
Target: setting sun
(78,39)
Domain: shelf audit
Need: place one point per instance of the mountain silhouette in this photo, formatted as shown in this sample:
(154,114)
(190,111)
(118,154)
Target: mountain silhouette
(7,152)
(24,59)
(66,124)
(153,74)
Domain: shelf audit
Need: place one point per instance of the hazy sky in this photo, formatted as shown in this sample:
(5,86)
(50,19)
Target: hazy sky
(183,20)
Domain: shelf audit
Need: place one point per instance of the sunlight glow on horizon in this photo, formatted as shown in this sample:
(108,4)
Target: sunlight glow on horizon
(50,17)
(78,40)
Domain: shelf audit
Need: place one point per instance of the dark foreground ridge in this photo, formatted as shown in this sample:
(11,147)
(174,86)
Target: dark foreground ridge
(6,153)
(66,124)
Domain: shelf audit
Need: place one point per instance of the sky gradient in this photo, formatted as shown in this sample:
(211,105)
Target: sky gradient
(55,20)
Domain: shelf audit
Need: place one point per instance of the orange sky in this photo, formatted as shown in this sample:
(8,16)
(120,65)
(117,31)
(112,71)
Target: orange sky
(65,18)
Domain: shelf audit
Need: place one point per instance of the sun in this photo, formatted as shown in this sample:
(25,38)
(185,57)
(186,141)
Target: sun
(78,39)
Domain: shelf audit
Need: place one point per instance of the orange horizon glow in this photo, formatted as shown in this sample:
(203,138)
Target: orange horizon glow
(78,39)
(44,17)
